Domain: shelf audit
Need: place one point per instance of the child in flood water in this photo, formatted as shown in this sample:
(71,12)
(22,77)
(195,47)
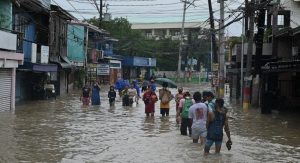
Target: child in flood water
(112,95)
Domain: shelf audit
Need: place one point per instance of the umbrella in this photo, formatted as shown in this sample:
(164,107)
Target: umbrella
(171,83)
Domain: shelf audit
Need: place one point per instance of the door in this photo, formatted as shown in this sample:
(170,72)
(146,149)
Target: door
(5,87)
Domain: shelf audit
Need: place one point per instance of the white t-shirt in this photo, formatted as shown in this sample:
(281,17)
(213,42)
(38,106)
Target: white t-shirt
(198,112)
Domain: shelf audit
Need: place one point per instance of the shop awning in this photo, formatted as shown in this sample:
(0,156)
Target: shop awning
(38,67)
(64,63)
(282,66)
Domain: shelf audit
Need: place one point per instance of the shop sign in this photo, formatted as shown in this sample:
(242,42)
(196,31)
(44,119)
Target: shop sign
(103,69)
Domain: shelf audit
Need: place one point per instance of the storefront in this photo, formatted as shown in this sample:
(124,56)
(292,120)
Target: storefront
(137,67)
(9,61)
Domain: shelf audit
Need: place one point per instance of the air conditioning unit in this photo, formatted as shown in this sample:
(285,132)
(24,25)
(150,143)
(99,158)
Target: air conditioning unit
(295,50)
(101,54)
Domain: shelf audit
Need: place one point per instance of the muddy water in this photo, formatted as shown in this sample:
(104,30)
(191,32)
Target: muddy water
(64,131)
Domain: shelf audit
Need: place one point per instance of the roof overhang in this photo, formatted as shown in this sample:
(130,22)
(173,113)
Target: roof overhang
(91,27)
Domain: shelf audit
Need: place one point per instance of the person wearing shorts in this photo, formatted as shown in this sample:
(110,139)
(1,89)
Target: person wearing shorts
(217,120)
(198,116)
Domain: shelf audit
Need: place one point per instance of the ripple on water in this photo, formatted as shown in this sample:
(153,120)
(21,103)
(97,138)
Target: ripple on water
(64,131)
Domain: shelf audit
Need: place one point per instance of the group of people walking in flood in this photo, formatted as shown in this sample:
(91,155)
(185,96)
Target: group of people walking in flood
(204,117)
(200,116)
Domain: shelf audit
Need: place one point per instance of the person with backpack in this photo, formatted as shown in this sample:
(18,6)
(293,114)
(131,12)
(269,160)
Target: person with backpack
(184,106)
(198,116)
(149,99)
(211,101)
(216,121)
(165,96)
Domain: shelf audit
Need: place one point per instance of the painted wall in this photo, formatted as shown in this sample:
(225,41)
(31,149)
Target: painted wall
(6,14)
(27,43)
(75,40)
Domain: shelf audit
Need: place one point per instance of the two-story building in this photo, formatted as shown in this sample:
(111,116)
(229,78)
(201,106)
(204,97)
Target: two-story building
(31,21)
(10,59)
(277,85)
(100,62)
(170,30)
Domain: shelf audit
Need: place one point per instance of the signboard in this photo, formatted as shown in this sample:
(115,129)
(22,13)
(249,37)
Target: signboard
(215,81)
(115,64)
(78,64)
(215,67)
(33,52)
(44,54)
(103,69)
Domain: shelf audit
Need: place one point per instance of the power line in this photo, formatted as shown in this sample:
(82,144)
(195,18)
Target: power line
(158,4)
(74,8)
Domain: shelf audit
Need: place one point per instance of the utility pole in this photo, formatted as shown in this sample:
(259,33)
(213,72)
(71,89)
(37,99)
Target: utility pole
(100,14)
(274,30)
(250,38)
(213,35)
(246,17)
(259,38)
(181,39)
(247,86)
(221,51)
(242,59)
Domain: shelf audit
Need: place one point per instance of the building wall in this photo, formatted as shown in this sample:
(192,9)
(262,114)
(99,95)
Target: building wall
(294,7)
(284,48)
(58,37)
(62,84)
(6,14)
(75,40)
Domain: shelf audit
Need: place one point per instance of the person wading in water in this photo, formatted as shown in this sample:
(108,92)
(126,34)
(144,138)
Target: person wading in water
(217,120)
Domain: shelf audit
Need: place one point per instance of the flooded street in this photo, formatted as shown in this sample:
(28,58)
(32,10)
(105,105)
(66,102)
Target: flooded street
(64,131)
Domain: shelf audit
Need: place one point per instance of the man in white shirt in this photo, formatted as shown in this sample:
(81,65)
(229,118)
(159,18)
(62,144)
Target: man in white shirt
(198,115)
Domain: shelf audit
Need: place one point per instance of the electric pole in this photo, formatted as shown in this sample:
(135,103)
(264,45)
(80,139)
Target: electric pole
(247,83)
(260,38)
(221,51)
(181,39)
(101,6)
(274,30)
(213,35)
(250,38)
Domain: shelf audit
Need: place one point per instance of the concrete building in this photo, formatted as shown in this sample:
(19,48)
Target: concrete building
(9,58)
(171,30)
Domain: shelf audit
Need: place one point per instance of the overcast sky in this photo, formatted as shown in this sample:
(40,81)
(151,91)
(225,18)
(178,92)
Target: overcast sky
(153,11)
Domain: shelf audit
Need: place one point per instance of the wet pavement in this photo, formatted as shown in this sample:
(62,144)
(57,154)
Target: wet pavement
(63,131)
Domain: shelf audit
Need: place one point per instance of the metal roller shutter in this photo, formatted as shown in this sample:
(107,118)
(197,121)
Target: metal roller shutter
(5,89)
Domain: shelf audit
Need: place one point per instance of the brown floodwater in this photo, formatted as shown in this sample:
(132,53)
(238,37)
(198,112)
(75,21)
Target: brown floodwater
(63,131)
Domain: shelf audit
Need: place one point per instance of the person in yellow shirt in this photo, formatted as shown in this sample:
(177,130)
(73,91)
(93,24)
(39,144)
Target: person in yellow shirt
(165,96)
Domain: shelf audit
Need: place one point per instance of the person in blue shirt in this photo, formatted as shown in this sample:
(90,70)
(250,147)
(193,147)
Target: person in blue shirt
(96,94)
(138,91)
(153,85)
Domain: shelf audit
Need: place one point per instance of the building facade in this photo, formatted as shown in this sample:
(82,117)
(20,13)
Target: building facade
(10,59)
(171,30)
